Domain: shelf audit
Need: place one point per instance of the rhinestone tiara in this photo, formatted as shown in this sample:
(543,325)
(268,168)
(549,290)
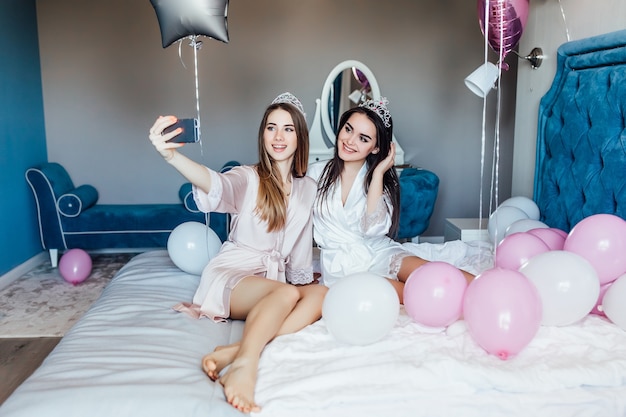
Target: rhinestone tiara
(291,99)
(380,107)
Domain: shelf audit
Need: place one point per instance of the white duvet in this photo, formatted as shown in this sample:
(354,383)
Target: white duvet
(578,370)
(131,355)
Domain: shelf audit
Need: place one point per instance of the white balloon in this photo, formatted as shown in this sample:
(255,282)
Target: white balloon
(524,225)
(567,283)
(525,204)
(191,246)
(360,309)
(501,219)
(613,304)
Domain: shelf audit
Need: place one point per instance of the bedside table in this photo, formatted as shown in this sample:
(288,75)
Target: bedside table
(465,230)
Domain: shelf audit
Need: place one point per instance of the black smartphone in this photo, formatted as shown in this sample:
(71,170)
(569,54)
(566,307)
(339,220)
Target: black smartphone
(189,133)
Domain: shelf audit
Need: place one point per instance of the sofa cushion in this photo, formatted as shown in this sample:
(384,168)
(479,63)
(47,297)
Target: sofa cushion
(79,199)
(186,196)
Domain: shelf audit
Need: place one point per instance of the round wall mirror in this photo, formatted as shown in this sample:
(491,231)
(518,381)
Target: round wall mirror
(348,84)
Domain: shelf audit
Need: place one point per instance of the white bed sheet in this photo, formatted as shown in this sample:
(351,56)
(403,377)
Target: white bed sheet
(577,370)
(131,355)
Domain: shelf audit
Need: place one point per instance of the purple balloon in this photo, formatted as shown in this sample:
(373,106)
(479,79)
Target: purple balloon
(361,78)
(601,239)
(433,294)
(502,309)
(75,266)
(517,248)
(506,20)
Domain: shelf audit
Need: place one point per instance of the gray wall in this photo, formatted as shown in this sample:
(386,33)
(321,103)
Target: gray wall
(106,77)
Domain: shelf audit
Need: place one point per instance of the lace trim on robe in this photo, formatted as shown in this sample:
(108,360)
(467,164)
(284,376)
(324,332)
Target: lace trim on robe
(378,216)
(396,263)
(300,276)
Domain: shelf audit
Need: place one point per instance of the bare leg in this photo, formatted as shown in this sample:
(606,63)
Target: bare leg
(307,311)
(265,305)
(411,263)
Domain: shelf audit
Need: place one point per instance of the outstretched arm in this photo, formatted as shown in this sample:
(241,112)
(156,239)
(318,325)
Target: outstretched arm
(195,173)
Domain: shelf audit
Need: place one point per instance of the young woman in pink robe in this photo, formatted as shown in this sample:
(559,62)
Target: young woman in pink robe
(268,249)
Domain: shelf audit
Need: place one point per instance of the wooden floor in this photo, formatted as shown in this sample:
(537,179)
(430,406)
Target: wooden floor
(19,358)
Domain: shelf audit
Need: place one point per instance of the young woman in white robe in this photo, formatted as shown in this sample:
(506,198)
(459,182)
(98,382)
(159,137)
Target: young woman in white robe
(356,211)
(268,249)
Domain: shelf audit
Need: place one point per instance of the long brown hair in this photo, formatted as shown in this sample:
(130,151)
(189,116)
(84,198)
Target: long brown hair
(391,185)
(270,204)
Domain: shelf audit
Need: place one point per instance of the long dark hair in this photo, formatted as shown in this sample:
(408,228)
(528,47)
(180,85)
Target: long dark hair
(391,184)
(270,203)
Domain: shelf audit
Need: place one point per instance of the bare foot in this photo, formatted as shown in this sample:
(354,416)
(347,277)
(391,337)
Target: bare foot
(239,383)
(220,358)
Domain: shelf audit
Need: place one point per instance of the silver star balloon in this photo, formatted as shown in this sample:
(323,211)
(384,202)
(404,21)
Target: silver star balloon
(179,19)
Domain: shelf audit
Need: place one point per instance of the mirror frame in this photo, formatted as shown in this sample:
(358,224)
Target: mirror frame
(325,97)
(321,134)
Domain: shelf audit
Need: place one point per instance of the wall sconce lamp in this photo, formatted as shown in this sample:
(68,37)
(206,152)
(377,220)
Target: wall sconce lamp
(535,57)
(483,79)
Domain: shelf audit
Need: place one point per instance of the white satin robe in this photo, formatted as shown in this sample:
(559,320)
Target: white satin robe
(284,255)
(350,241)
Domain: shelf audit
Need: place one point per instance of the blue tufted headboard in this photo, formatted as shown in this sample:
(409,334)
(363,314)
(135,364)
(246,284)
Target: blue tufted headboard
(581,138)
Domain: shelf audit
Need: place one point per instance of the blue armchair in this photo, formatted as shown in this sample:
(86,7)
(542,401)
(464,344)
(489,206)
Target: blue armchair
(70,217)
(418,194)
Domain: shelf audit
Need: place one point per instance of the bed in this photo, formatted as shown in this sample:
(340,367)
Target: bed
(131,355)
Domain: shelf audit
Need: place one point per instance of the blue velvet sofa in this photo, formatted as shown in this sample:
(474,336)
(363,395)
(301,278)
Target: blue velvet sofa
(70,217)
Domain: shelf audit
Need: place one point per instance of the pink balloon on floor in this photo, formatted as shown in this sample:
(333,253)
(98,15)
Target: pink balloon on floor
(516,249)
(552,237)
(601,239)
(433,294)
(75,266)
(502,310)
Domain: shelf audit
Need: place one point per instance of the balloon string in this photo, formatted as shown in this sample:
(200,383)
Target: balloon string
(483,138)
(197,45)
(564,21)
(180,53)
(496,143)
(484,124)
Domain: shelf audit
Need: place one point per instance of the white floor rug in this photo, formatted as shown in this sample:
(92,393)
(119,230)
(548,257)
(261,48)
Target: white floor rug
(42,304)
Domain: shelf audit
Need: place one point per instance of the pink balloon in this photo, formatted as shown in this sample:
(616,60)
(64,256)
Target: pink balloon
(506,20)
(75,266)
(516,249)
(433,294)
(502,309)
(601,239)
(552,237)
(560,232)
